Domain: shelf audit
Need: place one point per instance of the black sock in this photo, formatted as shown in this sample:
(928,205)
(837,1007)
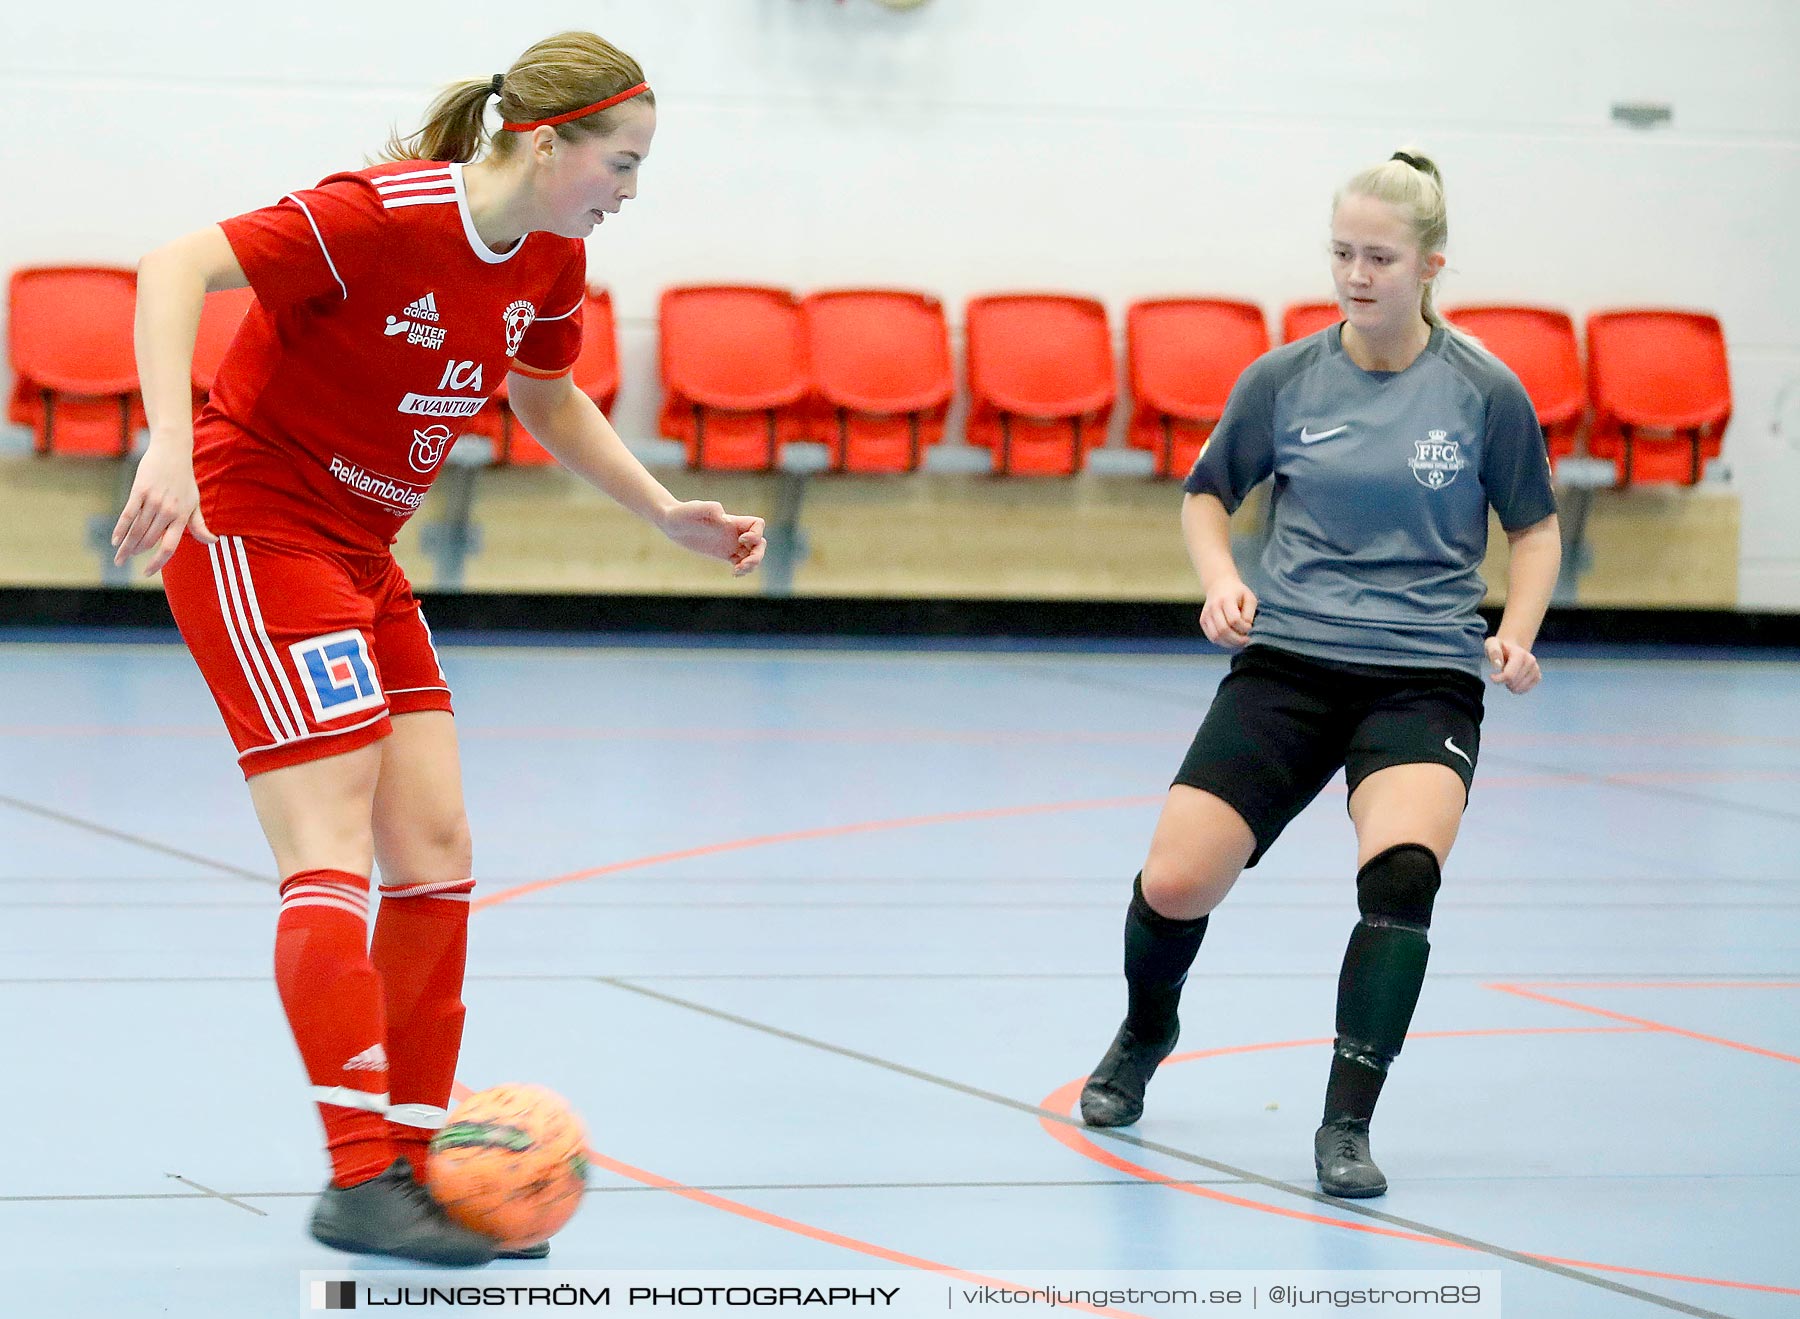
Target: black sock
(1158,952)
(1352,1089)
(1384,968)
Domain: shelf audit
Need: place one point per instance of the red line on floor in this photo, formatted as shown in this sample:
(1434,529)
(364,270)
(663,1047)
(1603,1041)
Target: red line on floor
(820,1234)
(644,1177)
(918,822)
(1645,1022)
(560,732)
(1066,1094)
(812,835)
(1063,1098)
(1701,776)
(1672,1277)
(1655,984)
(951,736)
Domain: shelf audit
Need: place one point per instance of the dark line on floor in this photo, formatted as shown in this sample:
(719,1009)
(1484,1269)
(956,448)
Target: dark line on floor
(1495,758)
(1120,1183)
(1347,903)
(1527,905)
(1341,883)
(631,1188)
(136,840)
(217,1195)
(1599,979)
(1169,1151)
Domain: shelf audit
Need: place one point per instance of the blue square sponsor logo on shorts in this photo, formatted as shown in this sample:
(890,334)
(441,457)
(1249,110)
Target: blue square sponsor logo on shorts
(338,675)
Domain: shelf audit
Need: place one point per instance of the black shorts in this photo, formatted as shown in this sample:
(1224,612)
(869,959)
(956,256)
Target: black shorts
(1281,725)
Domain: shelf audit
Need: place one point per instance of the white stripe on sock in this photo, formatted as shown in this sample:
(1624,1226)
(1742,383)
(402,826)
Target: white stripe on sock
(328,888)
(450,889)
(361,913)
(342,1097)
(427,1117)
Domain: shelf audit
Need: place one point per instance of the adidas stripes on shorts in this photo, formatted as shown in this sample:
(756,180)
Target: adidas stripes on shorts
(1282,724)
(307,649)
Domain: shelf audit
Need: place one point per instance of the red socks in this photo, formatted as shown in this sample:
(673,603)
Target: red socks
(379,1030)
(420,949)
(333,1001)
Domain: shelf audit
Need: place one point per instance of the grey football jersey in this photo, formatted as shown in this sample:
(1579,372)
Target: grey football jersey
(1382,481)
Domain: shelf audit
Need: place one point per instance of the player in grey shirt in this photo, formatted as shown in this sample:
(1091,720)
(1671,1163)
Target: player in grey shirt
(1388,437)
(1382,481)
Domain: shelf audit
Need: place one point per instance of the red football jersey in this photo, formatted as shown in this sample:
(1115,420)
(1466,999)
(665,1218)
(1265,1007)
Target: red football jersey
(381,323)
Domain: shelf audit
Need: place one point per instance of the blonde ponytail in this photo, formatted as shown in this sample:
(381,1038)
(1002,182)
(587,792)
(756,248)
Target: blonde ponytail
(557,75)
(1410,181)
(453,130)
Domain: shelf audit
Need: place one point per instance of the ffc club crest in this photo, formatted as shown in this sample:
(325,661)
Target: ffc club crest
(518,317)
(428,447)
(1436,460)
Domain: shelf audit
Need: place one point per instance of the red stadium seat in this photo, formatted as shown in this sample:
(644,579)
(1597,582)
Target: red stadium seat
(220,317)
(1304,318)
(734,373)
(74,376)
(1041,380)
(596,374)
(882,375)
(1539,344)
(1662,393)
(1183,357)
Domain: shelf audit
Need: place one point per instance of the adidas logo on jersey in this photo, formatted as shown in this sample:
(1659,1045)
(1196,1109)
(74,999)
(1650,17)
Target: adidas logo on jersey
(423,309)
(371,1059)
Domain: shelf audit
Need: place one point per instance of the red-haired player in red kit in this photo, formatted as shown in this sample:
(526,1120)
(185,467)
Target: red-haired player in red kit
(390,302)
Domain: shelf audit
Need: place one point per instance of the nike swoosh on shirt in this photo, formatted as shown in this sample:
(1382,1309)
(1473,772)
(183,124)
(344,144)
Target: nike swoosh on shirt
(1313,437)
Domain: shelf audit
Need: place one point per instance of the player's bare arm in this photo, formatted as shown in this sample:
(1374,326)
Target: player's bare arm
(569,424)
(173,282)
(1536,559)
(1230,607)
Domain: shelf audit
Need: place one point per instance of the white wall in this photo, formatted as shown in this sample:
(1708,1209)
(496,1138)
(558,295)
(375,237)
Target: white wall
(1146,146)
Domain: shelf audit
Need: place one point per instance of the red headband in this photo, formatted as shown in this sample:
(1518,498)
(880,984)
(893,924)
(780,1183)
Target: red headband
(582,113)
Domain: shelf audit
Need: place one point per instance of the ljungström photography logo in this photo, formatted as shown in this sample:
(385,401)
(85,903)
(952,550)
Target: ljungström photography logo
(334,1296)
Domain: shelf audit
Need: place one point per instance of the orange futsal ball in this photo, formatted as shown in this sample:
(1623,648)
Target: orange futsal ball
(511,1163)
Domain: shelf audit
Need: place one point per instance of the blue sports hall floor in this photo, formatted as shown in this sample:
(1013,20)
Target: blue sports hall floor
(821,941)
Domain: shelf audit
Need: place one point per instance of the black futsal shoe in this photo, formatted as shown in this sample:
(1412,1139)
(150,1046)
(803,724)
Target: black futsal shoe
(391,1214)
(539,1251)
(1341,1156)
(1114,1094)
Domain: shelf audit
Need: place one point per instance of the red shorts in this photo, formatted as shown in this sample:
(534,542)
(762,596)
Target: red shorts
(307,649)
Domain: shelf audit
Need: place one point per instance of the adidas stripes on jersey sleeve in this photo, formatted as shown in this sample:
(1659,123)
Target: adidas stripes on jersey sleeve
(312,244)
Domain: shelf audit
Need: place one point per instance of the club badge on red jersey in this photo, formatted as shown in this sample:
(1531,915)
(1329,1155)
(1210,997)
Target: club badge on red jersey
(518,318)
